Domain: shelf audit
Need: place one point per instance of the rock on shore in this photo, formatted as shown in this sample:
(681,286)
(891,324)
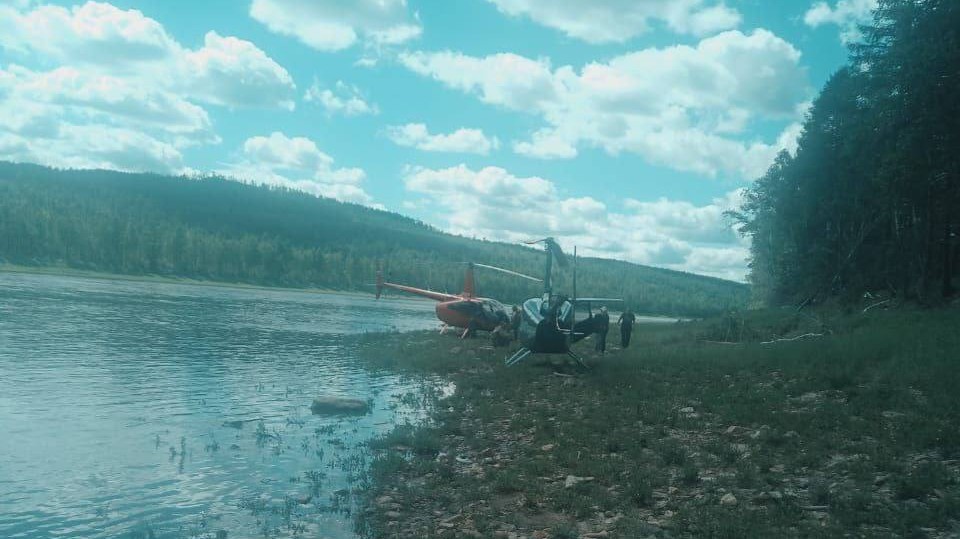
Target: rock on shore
(339,405)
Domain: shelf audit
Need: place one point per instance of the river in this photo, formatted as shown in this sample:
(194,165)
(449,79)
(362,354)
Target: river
(141,409)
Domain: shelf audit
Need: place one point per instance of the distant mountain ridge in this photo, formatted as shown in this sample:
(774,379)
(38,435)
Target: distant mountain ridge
(218,229)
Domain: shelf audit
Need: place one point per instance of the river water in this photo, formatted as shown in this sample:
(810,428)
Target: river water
(134,409)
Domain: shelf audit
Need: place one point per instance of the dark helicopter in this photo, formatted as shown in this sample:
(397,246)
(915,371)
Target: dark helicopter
(549,322)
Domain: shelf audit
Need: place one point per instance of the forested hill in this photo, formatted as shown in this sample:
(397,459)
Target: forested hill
(222,230)
(871,200)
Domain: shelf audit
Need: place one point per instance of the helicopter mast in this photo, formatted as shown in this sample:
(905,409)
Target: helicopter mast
(547,275)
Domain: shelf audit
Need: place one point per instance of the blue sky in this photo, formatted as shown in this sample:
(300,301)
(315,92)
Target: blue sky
(631,125)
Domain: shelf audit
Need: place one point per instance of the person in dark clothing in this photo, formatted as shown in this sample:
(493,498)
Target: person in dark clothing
(515,320)
(626,320)
(500,336)
(603,326)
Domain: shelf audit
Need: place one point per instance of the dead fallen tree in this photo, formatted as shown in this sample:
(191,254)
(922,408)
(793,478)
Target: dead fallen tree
(797,338)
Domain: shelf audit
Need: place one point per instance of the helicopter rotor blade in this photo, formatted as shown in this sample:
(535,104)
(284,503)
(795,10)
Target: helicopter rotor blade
(553,247)
(508,272)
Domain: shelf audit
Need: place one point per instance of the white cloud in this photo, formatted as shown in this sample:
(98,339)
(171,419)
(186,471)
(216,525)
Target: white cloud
(494,204)
(70,118)
(707,21)
(726,263)
(332,25)
(101,38)
(507,79)
(346,100)
(606,21)
(297,163)
(94,33)
(463,140)
(683,220)
(232,72)
(847,15)
(92,146)
(546,144)
(115,90)
(107,100)
(680,235)
(680,106)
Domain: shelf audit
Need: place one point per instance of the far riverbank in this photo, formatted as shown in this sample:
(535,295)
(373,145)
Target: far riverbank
(64,271)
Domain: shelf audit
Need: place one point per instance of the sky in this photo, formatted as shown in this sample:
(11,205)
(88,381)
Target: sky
(624,127)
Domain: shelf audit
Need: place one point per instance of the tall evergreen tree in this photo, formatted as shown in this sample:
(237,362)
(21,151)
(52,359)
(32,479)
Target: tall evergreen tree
(871,200)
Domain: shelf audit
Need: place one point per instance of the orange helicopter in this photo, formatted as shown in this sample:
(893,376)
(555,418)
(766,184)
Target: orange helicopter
(464,310)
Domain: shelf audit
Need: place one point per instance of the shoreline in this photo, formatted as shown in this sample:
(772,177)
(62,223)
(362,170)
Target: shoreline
(679,437)
(61,271)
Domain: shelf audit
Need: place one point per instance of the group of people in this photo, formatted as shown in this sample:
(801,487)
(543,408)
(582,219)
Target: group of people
(602,321)
(509,330)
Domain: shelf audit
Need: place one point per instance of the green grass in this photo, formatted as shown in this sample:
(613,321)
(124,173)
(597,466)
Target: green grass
(854,432)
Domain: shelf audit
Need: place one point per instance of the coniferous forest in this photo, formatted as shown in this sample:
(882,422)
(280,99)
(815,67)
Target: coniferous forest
(870,202)
(221,230)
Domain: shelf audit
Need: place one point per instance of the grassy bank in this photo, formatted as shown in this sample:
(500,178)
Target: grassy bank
(698,430)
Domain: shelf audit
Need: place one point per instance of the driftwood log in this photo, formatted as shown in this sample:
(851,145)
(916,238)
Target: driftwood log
(797,338)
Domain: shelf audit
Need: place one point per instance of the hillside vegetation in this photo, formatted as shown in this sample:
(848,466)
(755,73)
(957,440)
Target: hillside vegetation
(216,229)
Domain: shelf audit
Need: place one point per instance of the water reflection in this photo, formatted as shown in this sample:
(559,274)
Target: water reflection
(183,410)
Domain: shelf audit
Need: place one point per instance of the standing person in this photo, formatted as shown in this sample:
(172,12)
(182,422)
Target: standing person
(500,336)
(626,320)
(603,326)
(515,320)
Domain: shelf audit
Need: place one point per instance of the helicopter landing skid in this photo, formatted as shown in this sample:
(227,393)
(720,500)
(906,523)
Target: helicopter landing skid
(522,354)
(519,356)
(578,359)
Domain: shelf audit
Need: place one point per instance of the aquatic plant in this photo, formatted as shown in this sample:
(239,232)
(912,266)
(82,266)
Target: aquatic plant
(213,446)
(261,434)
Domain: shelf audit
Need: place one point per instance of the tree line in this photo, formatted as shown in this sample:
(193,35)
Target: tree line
(217,229)
(870,201)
